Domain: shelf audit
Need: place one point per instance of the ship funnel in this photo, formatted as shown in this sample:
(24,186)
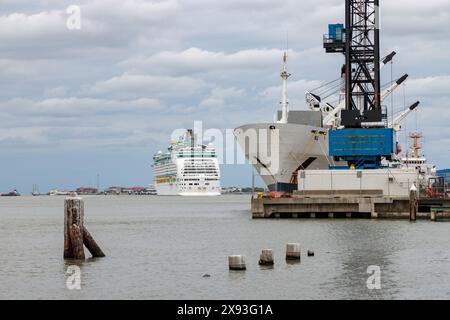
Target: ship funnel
(415,105)
(402,79)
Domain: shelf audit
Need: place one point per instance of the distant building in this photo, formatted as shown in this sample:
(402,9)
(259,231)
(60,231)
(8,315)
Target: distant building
(128,190)
(86,191)
(114,190)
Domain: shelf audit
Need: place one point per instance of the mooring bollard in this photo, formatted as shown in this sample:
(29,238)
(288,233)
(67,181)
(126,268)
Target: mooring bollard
(266,258)
(293,251)
(75,233)
(433,215)
(236,262)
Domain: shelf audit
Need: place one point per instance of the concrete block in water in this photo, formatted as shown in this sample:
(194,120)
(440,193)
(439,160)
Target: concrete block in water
(266,257)
(293,251)
(236,262)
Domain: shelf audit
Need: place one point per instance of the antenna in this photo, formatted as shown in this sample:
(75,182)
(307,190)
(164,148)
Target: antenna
(287,41)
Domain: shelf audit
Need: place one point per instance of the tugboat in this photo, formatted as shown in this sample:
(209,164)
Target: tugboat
(13,193)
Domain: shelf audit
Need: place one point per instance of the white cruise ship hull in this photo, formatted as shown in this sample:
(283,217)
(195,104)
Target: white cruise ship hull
(300,147)
(175,190)
(167,189)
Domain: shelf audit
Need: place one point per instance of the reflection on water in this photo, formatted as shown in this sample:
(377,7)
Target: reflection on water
(161,248)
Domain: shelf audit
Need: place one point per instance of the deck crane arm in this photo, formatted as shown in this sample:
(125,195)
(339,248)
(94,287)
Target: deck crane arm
(387,59)
(394,86)
(327,121)
(396,122)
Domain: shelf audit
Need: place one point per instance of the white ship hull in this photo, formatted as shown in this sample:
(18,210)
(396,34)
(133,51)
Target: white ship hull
(166,189)
(300,147)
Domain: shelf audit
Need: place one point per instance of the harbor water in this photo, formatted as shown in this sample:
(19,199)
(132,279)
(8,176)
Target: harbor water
(161,248)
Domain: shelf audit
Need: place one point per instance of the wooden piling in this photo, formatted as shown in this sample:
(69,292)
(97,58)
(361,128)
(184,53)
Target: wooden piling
(91,245)
(413,203)
(75,233)
(73,215)
(76,240)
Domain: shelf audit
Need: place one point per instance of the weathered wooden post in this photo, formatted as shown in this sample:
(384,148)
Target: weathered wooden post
(266,257)
(91,245)
(293,251)
(76,241)
(73,215)
(75,233)
(236,262)
(413,203)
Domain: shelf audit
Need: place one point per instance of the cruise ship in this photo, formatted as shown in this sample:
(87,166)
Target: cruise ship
(187,169)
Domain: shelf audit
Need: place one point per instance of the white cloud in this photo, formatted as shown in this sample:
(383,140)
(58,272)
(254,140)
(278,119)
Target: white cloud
(430,86)
(78,107)
(219,97)
(139,84)
(195,60)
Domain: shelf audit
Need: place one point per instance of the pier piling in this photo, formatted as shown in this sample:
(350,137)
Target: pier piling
(413,203)
(91,245)
(75,233)
(76,240)
(236,262)
(433,215)
(266,257)
(293,251)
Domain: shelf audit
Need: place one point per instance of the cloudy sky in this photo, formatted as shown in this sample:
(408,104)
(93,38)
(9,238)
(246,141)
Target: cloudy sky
(103,99)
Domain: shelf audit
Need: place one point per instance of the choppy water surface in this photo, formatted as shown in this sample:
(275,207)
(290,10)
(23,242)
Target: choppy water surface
(160,247)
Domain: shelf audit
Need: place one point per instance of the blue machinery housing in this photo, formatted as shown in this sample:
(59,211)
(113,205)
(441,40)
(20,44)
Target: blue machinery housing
(336,32)
(445,173)
(362,148)
(334,41)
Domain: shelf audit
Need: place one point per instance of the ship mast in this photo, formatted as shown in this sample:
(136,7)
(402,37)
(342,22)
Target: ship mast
(416,136)
(285,103)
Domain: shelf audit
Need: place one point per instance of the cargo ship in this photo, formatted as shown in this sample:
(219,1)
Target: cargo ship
(302,136)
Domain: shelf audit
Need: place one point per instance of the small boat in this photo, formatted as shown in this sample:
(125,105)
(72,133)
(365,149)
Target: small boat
(13,193)
(57,192)
(35,191)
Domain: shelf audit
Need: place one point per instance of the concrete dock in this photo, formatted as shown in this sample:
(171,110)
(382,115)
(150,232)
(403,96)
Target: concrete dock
(345,204)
